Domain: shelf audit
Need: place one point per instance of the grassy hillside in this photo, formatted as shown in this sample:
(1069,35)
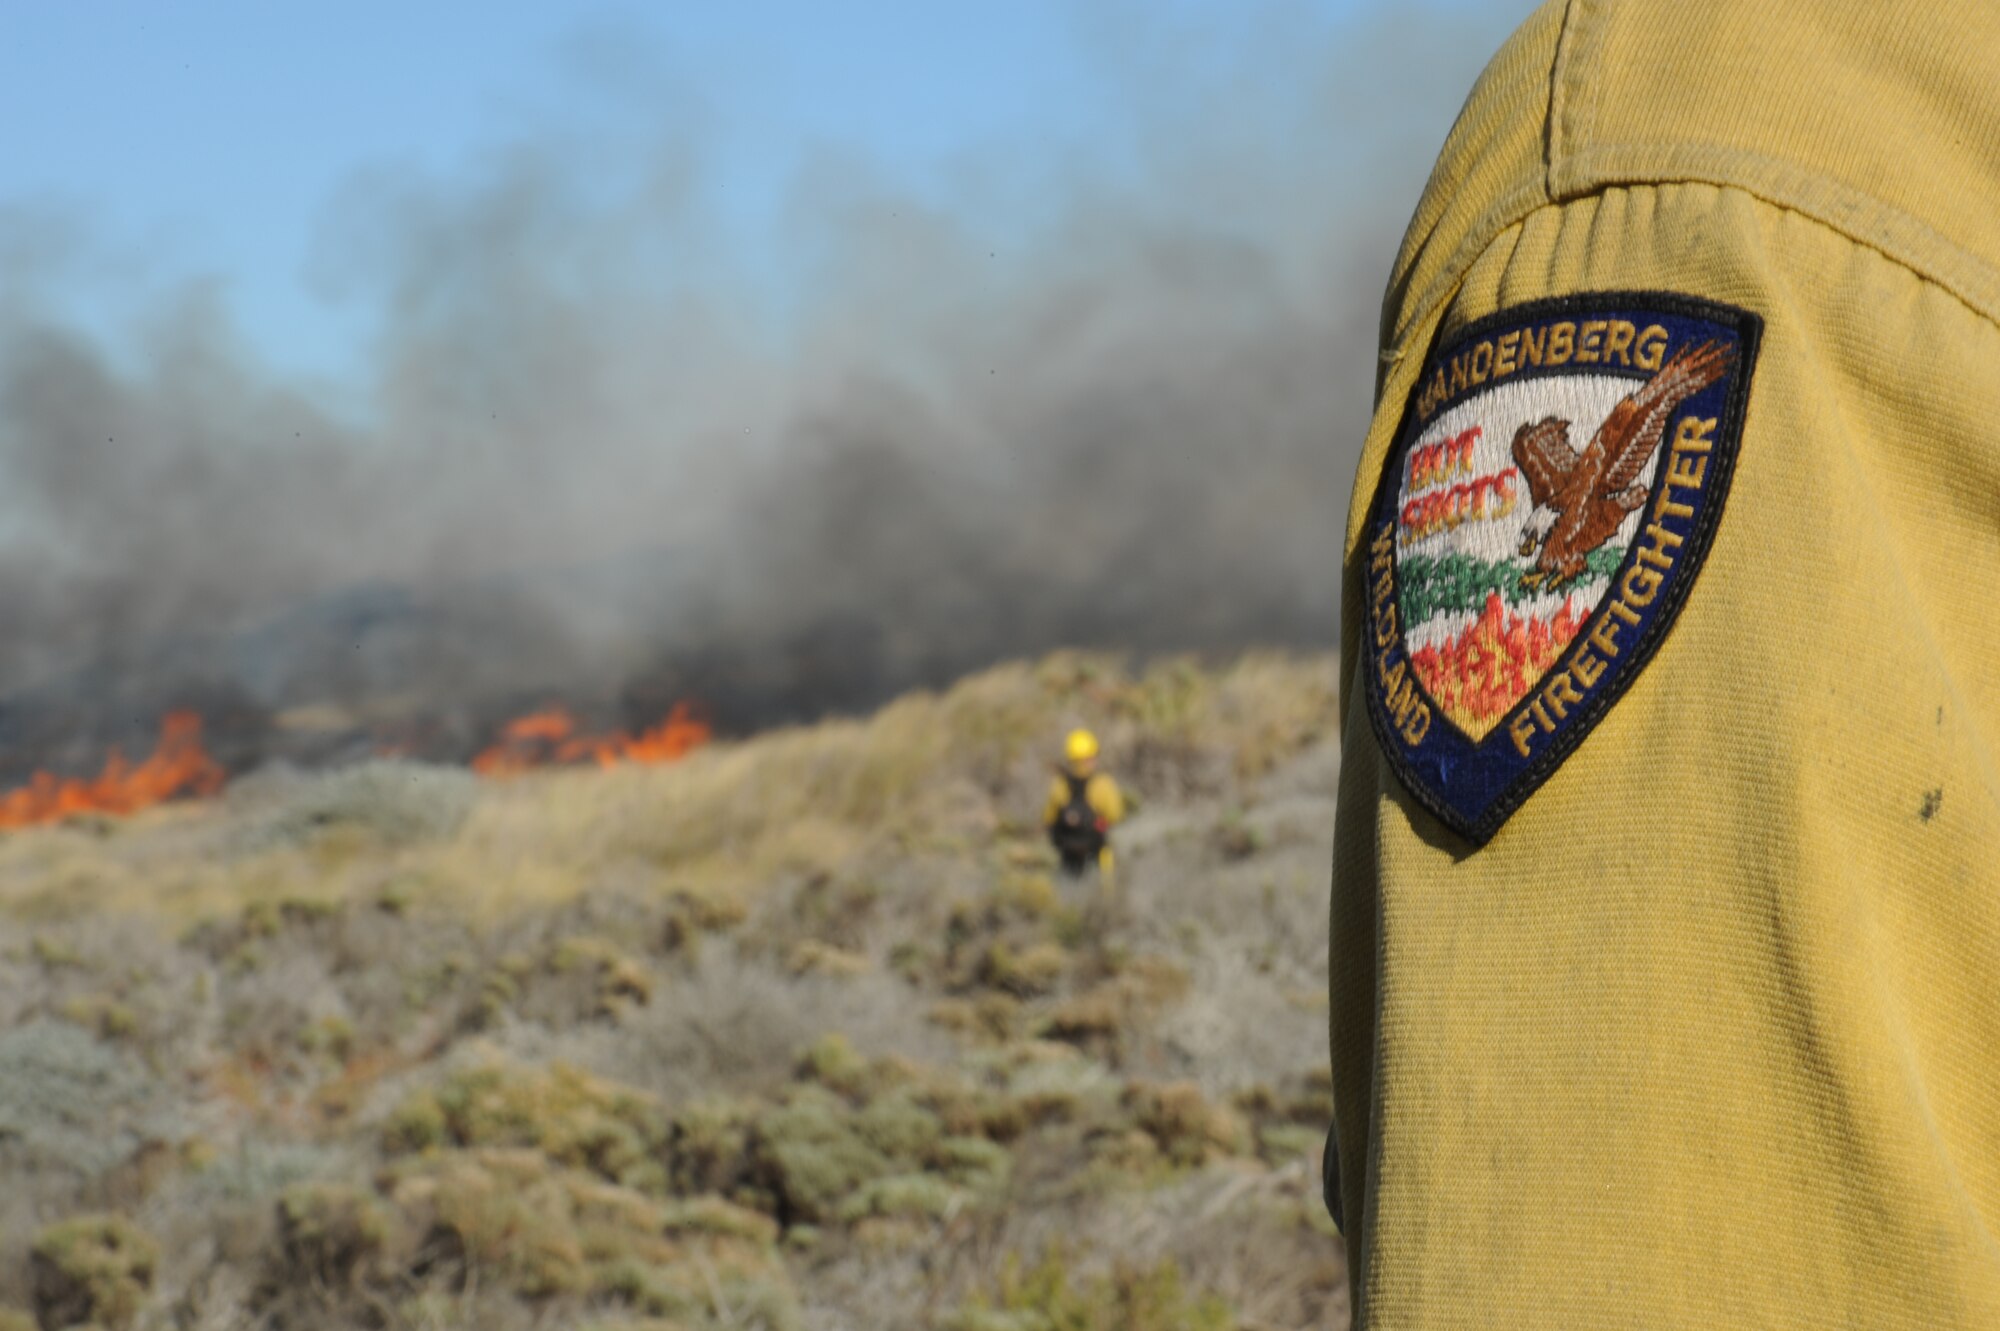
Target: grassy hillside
(798,1032)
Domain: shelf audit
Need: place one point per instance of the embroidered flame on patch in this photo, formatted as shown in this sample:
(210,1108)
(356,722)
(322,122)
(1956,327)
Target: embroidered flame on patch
(1559,475)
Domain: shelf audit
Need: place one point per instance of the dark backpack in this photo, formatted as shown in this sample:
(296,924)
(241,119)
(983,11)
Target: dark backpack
(1078,832)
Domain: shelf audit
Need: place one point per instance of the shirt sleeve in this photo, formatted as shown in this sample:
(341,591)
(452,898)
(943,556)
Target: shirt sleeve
(1712,1012)
(1107,798)
(1058,796)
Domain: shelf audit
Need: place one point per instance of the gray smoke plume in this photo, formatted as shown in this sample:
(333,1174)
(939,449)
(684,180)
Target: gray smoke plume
(1106,399)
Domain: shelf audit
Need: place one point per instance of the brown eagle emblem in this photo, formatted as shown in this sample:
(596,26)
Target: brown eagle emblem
(1582,499)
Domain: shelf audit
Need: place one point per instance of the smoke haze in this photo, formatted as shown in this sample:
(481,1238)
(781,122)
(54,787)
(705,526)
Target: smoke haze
(600,451)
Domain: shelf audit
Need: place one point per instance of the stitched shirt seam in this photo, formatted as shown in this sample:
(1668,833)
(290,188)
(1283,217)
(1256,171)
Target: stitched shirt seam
(1525,201)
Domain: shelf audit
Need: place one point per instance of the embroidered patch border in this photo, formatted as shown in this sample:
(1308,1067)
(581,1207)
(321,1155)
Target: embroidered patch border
(1473,765)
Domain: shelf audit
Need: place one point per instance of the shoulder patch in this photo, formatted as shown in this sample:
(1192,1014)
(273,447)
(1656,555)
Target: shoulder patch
(1560,471)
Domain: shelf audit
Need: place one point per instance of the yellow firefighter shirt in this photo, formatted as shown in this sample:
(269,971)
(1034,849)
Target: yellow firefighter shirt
(1100,792)
(1666,956)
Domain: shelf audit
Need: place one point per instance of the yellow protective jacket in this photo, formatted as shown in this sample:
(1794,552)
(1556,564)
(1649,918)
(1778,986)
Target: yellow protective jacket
(1100,792)
(1704,1031)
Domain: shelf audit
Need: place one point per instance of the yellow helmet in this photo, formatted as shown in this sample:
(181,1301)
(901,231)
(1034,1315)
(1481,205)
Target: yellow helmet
(1081,746)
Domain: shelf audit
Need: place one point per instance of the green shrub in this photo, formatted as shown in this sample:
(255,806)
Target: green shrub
(507,1211)
(651,1290)
(913,1196)
(330,1231)
(811,1158)
(1031,971)
(708,1147)
(1280,1143)
(418,1124)
(1187,1129)
(813,957)
(719,1217)
(1047,1298)
(573,1118)
(102,1015)
(55,954)
(619,980)
(92,1269)
(690,915)
(833,1062)
(898,1126)
(973,1163)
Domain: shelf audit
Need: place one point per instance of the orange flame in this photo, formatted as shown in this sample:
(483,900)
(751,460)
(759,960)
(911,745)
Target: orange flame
(179,766)
(548,738)
(1478,676)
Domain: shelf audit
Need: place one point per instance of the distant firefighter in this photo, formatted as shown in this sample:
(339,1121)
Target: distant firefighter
(1084,805)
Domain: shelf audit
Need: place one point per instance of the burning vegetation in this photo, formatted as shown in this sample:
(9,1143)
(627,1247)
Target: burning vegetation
(549,738)
(180,767)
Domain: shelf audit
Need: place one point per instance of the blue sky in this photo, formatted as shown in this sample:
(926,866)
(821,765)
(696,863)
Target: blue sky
(209,139)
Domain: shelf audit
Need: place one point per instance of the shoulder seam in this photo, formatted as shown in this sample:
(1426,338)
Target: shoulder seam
(1860,218)
(1573,94)
(1555,138)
